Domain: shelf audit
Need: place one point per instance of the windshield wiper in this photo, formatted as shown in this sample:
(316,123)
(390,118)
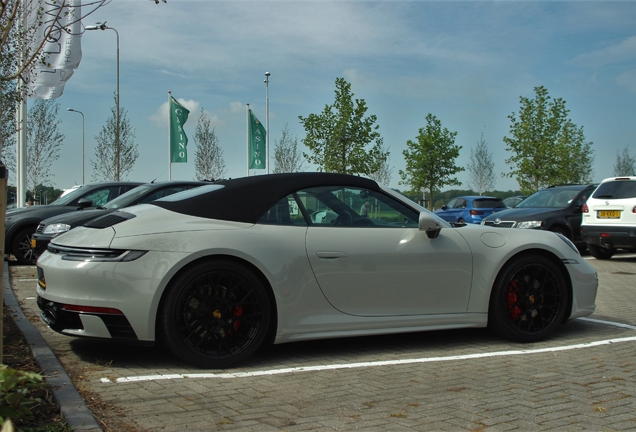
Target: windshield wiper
(605,196)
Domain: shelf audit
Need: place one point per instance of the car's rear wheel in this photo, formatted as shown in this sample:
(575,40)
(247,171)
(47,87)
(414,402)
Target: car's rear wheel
(21,247)
(215,314)
(529,299)
(601,253)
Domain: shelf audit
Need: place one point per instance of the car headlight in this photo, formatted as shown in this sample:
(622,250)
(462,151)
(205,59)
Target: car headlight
(56,228)
(529,224)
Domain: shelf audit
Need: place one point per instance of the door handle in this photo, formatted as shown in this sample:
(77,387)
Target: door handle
(331,255)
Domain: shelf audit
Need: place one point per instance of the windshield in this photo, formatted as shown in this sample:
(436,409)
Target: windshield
(552,198)
(69,197)
(127,198)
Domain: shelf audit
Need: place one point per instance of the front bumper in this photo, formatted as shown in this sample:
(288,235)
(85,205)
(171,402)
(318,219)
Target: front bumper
(39,242)
(609,236)
(101,325)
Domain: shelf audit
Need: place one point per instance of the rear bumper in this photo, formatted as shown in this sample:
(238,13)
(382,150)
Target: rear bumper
(609,236)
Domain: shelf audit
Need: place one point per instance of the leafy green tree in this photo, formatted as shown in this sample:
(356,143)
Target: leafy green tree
(105,165)
(430,161)
(546,146)
(625,164)
(287,157)
(208,158)
(481,168)
(339,137)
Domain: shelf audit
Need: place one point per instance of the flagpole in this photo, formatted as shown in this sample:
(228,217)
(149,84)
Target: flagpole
(247,118)
(169,144)
(267,74)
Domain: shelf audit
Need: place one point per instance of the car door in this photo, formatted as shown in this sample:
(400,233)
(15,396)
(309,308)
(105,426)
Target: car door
(383,265)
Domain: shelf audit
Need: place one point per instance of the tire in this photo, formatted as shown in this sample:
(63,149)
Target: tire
(529,299)
(215,314)
(601,253)
(21,247)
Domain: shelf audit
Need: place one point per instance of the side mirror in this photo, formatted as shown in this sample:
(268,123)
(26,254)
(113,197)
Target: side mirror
(429,225)
(444,207)
(84,203)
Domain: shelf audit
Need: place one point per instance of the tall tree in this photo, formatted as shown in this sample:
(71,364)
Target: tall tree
(546,146)
(430,162)
(105,165)
(341,139)
(625,164)
(481,168)
(287,157)
(44,140)
(208,158)
(384,173)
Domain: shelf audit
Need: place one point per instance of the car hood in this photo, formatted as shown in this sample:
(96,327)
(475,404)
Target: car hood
(523,214)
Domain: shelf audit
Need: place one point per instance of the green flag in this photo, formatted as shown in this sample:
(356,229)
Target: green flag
(178,138)
(257,153)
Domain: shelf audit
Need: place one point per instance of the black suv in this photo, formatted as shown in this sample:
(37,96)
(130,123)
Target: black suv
(54,226)
(20,223)
(557,208)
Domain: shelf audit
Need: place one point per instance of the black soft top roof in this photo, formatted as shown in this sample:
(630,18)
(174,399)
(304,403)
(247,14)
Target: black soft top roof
(246,199)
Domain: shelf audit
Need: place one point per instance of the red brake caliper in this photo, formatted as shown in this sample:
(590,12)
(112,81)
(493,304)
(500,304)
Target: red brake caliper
(511,299)
(238,312)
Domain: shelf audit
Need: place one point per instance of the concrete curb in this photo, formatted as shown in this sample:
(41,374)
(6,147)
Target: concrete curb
(72,406)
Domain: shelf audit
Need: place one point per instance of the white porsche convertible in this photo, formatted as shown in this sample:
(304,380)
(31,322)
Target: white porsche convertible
(217,271)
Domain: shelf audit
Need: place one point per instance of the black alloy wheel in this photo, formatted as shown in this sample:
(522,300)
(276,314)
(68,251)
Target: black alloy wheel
(529,299)
(215,314)
(21,247)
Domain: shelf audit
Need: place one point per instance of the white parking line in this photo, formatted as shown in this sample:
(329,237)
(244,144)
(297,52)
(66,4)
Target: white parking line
(380,363)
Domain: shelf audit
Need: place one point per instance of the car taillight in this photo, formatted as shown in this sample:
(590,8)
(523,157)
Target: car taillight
(476,212)
(634,209)
(586,208)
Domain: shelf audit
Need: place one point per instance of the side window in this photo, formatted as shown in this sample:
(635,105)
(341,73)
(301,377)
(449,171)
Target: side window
(284,212)
(461,203)
(102,196)
(335,206)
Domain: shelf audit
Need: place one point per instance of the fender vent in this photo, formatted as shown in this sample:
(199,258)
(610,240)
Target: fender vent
(109,220)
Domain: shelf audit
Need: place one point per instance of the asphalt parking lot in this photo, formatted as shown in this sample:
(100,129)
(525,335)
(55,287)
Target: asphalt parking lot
(584,378)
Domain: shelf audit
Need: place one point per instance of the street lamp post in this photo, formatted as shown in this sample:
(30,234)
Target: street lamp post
(267,74)
(76,111)
(103,26)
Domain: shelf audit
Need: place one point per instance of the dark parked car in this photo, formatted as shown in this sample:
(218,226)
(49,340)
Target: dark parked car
(470,209)
(20,223)
(52,227)
(557,208)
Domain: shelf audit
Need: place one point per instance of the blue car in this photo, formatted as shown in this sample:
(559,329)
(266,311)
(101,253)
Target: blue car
(470,209)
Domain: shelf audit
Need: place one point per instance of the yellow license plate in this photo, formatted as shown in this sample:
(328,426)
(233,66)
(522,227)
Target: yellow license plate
(609,214)
(33,243)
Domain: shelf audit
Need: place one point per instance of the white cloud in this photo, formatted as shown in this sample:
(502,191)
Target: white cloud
(623,51)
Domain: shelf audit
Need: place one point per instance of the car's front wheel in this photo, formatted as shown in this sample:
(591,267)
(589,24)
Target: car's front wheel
(215,314)
(601,253)
(21,247)
(529,299)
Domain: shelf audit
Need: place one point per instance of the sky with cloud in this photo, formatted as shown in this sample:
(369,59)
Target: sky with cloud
(465,62)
